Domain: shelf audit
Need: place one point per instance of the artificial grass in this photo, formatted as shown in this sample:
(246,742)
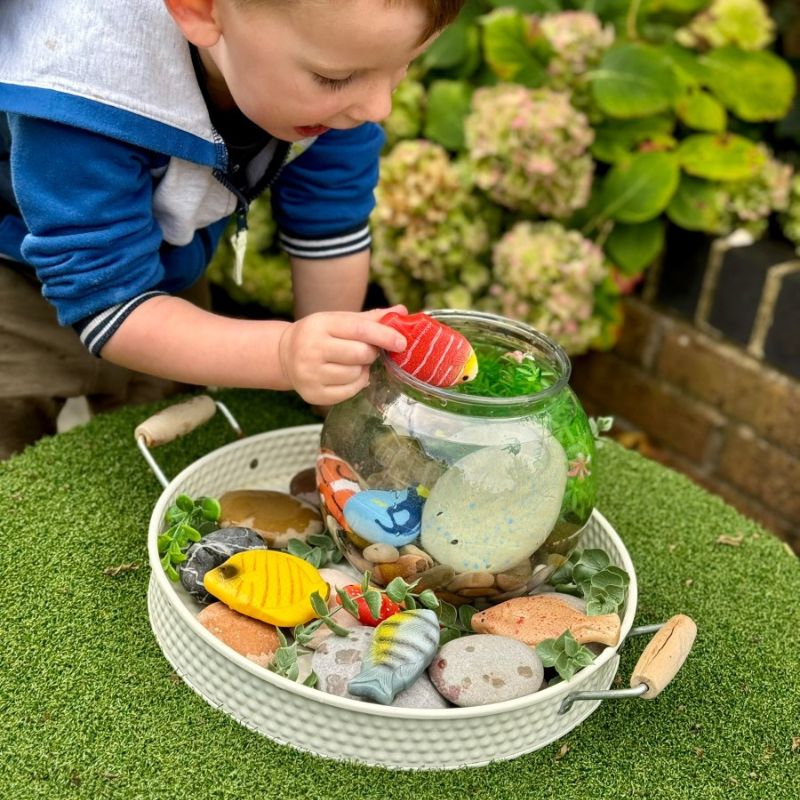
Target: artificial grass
(90,708)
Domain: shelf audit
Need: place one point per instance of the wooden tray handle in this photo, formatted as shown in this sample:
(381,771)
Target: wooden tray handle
(664,655)
(175,421)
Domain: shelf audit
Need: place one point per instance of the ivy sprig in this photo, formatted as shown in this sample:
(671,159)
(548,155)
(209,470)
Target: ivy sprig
(565,654)
(591,575)
(189,520)
(319,549)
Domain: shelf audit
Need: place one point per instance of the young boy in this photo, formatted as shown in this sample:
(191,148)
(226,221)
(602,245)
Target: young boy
(129,134)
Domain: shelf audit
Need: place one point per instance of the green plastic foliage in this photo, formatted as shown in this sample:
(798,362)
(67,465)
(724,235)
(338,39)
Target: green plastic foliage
(634,247)
(726,157)
(615,140)
(565,654)
(703,112)
(756,87)
(635,80)
(448,104)
(515,49)
(639,189)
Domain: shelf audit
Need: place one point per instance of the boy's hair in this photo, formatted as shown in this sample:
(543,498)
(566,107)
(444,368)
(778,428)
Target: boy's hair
(440,12)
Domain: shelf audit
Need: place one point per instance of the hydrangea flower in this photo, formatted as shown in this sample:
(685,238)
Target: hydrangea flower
(405,121)
(547,276)
(579,40)
(744,23)
(528,148)
(748,204)
(431,236)
(790,221)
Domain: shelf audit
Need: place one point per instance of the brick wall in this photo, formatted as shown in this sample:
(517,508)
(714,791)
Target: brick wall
(709,409)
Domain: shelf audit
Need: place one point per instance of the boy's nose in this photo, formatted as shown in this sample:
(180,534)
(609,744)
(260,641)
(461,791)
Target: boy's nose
(374,104)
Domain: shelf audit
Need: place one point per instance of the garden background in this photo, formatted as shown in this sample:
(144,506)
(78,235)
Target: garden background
(624,175)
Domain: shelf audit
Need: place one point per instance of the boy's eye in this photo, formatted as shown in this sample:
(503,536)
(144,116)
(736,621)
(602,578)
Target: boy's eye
(332,83)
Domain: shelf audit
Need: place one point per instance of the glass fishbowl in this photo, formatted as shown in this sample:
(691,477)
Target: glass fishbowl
(478,490)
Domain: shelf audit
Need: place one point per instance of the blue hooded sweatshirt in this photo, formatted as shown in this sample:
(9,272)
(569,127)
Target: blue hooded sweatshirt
(114,184)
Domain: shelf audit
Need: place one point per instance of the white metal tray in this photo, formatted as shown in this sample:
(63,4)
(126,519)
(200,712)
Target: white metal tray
(337,727)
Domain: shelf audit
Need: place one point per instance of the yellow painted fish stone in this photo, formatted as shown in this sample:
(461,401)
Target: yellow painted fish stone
(268,585)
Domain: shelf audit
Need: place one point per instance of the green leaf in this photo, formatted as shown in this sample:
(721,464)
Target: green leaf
(311,679)
(164,541)
(699,110)
(634,247)
(165,562)
(450,48)
(594,559)
(318,604)
(315,557)
(297,547)
(190,533)
(616,140)
(720,157)
(697,205)
(410,603)
(339,630)
(757,86)
(447,635)
(348,603)
(429,599)
(634,80)
(171,573)
(548,652)
(465,615)
(174,514)
(639,189)
(320,540)
(448,104)
(184,503)
(210,508)
(365,582)
(571,647)
(373,599)
(448,614)
(686,64)
(514,49)
(396,590)
(178,558)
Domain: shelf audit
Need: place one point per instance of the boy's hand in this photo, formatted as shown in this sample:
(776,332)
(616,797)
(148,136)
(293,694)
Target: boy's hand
(326,356)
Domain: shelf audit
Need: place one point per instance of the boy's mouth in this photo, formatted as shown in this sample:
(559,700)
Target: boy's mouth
(312,130)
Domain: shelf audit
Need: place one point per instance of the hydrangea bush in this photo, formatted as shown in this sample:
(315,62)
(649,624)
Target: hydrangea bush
(790,220)
(547,276)
(530,149)
(744,23)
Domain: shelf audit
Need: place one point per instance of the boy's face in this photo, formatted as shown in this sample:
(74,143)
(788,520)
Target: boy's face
(297,69)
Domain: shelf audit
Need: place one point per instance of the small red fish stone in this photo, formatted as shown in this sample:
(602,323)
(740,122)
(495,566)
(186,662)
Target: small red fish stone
(435,354)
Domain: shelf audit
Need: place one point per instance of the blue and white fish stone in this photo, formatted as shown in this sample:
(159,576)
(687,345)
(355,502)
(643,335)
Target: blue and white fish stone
(385,516)
(402,648)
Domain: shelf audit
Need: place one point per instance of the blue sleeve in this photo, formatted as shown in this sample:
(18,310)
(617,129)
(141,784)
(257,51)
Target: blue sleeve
(92,237)
(323,199)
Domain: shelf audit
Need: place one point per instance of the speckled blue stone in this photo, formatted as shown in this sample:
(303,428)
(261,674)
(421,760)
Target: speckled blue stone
(211,551)
(386,517)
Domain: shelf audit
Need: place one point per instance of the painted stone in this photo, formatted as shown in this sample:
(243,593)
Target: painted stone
(249,637)
(478,670)
(211,551)
(278,517)
(337,482)
(400,651)
(268,585)
(304,486)
(496,506)
(339,659)
(533,619)
(381,553)
(385,517)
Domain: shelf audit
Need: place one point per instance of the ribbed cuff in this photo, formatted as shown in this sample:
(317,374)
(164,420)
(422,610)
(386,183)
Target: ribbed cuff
(95,331)
(331,247)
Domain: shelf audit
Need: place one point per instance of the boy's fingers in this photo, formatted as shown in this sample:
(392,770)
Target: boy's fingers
(365,327)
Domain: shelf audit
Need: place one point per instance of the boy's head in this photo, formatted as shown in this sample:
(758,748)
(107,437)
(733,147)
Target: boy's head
(299,67)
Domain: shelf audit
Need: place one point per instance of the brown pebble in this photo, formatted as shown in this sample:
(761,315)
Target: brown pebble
(471,580)
(249,637)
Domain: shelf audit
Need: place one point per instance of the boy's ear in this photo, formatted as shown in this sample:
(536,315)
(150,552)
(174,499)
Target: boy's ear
(197,19)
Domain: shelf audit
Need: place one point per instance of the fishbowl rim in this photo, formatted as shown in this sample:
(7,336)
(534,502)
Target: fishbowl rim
(446,315)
